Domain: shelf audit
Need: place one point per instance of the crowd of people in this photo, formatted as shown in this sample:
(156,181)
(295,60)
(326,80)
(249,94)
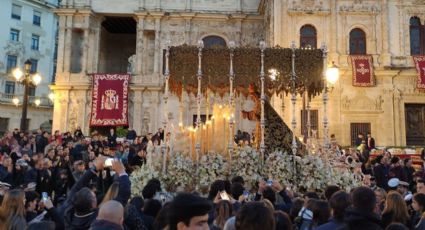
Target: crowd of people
(73,181)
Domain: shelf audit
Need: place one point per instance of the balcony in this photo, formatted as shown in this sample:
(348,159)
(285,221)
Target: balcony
(8,100)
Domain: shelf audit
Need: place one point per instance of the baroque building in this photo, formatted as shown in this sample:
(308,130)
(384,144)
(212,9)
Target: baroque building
(104,36)
(28,32)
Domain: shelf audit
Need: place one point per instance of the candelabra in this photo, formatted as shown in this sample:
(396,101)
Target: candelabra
(231,99)
(263,100)
(198,101)
(165,122)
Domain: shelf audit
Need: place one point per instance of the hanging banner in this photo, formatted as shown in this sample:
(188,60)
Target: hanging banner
(110,100)
(420,67)
(362,70)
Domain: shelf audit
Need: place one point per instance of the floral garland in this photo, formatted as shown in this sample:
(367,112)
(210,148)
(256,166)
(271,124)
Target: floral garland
(280,166)
(312,172)
(246,163)
(180,171)
(212,166)
(140,177)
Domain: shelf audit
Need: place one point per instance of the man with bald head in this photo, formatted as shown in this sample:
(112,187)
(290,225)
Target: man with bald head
(110,217)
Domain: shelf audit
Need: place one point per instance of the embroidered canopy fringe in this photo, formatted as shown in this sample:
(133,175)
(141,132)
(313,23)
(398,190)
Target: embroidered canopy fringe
(215,69)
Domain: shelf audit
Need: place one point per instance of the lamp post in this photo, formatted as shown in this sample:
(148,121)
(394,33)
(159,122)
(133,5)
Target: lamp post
(27,80)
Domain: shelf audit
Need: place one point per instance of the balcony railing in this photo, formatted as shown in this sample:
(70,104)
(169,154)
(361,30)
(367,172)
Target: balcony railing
(8,99)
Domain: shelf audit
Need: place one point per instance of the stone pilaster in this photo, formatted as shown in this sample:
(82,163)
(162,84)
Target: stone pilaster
(139,42)
(157,54)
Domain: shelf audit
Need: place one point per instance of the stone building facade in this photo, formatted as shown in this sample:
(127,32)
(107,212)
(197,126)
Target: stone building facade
(393,110)
(105,35)
(28,31)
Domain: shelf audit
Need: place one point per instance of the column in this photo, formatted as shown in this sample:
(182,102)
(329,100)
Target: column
(157,55)
(139,43)
(141,4)
(68,45)
(86,49)
(61,44)
(137,111)
(385,56)
(188,25)
(334,32)
(188,5)
(158,5)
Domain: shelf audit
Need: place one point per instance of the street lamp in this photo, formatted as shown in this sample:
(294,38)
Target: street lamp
(332,74)
(52,97)
(27,80)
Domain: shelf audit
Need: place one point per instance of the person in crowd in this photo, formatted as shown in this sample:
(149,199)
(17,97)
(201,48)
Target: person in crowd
(31,200)
(12,210)
(112,138)
(370,141)
(152,207)
(253,216)
(131,135)
(395,210)
(78,134)
(409,171)
(380,195)
(330,190)
(381,171)
(79,169)
(338,202)
(359,139)
(112,193)
(283,222)
(223,211)
(361,215)
(420,186)
(396,170)
(187,211)
(418,206)
(80,207)
(111,216)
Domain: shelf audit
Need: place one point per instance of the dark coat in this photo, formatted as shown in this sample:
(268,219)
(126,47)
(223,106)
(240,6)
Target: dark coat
(67,209)
(331,225)
(105,225)
(358,220)
(371,145)
(381,175)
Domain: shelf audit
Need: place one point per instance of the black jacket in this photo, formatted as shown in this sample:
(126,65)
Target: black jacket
(71,220)
(358,220)
(105,225)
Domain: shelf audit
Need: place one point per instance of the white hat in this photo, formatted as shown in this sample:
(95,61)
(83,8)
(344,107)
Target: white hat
(393,182)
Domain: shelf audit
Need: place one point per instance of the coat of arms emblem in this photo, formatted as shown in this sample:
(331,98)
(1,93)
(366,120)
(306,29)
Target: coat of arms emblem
(109,100)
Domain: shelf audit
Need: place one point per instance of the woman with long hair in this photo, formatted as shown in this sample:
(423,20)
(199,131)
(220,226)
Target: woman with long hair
(223,211)
(395,210)
(418,204)
(12,210)
(111,193)
(380,195)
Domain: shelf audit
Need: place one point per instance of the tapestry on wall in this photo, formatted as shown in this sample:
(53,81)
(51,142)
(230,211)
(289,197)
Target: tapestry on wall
(362,70)
(110,100)
(420,67)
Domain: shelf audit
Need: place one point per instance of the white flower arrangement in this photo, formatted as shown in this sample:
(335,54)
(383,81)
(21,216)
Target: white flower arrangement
(246,163)
(212,166)
(140,177)
(180,171)
(279,166)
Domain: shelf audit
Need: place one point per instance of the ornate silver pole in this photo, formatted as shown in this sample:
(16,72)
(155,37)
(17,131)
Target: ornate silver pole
(198,101)
(165,122)
(231,100)
(325,98)
(293,99)
(294,121)
(263,100)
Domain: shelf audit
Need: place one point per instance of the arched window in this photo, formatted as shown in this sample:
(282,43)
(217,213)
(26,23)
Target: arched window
(308,37)
(417,36)
(357,41)
(211,41)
